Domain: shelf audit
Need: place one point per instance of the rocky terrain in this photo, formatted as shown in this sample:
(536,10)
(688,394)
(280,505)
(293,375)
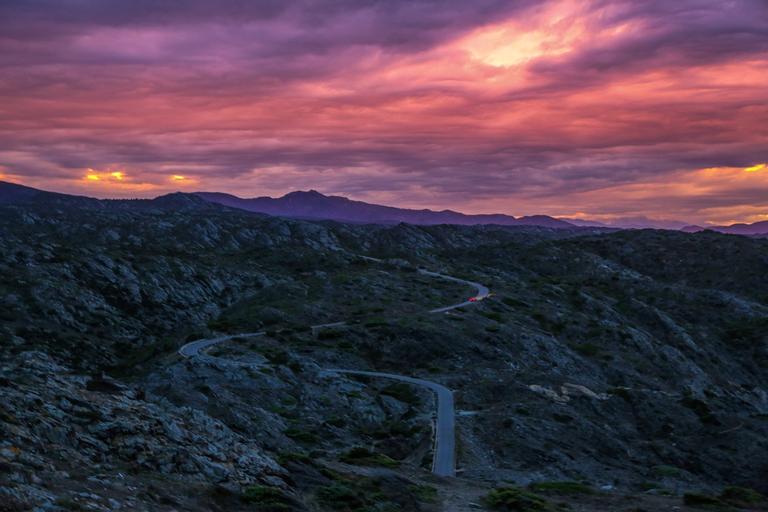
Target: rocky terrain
(609,370)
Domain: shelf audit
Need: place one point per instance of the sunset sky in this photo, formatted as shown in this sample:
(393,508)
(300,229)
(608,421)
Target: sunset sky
(600,109)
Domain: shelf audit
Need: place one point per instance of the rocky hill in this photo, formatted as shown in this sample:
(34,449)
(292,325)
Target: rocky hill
(609,370)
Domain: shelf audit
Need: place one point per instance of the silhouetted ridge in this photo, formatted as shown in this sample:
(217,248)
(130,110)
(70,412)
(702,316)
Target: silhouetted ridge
(314,205)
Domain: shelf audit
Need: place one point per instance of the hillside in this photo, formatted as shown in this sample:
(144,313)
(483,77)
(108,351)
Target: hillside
(626,363)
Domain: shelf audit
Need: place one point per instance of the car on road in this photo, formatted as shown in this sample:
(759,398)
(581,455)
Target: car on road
(473,299)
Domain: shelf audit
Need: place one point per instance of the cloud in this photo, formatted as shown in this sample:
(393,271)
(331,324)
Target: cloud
(523,107)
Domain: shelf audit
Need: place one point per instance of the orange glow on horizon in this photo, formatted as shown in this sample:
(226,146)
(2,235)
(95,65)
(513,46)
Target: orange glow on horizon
(108,175)
(758,167)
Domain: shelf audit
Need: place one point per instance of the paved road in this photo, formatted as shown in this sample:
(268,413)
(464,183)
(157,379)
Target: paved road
(444,461)
(482,290)
(195,348)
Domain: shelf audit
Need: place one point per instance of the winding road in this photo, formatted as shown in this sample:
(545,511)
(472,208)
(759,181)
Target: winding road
(444,460)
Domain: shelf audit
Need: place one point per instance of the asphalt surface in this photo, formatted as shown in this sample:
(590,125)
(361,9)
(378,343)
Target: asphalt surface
(482,290)
(444,460)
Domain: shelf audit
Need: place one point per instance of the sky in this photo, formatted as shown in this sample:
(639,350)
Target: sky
(599,109)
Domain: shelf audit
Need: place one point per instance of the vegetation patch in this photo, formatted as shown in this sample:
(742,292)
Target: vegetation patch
(424,493)
(515,303)
(514,499)
(284,458)
(301,436)
(587,349)
(741,496)
(564,487)
(701,409)
(342,498)
(693,499)
(403,392)
(623,393)
(358,495)
(363,457)
(670,471)
(266,499)
(492,315)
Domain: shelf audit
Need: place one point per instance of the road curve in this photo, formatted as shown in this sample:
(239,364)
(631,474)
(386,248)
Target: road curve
(444,460)
(482,290)
(195,348)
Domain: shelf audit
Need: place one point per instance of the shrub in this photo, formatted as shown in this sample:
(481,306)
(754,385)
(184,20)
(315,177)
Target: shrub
(402,392)
(329,334)
(492,315)
(663,470)
(425,493)
(284,458)
(301,436)
(510,301)
(337,421)
(276,356)
(68,504)
(587,349)
(513,499)
(700,500)
(624,393)
(701,409)
(565,487)
(365,457)
(341,497)
(266,499)
(741,496)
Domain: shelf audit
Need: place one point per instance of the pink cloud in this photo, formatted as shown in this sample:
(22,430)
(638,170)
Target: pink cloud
(527,107)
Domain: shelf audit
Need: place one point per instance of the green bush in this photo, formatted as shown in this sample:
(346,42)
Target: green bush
(276,356)
(492,315)
(701,500)
(301,436)
(375,322)
(663,470)
(266,499)
(284,458)
(701,409)
(587,349)
(513,499)
(425,493)
(403,392)
(624,393)
(365,457)
(565,487)
(342,498)
(329,334)
(741,496)
(337,421)
(510,301)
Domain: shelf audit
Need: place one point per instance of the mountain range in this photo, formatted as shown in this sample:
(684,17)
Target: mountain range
(312,205)
(757,228)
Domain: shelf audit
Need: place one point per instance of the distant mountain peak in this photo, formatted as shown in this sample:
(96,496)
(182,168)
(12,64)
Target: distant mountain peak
(305,193)
(312,204)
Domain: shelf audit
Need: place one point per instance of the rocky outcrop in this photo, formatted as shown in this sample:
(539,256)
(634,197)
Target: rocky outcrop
(57,425)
